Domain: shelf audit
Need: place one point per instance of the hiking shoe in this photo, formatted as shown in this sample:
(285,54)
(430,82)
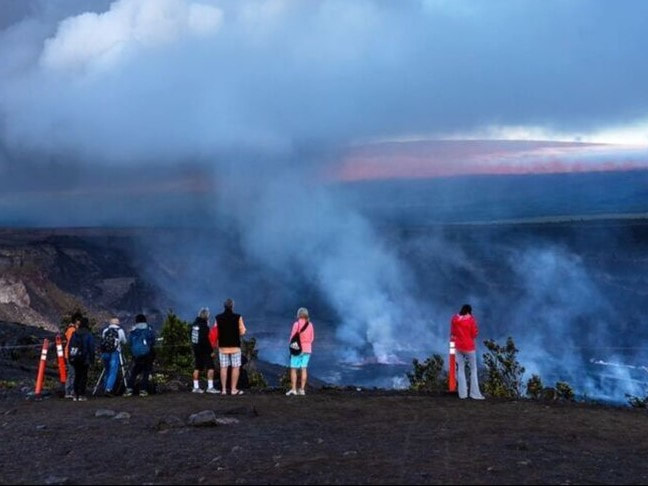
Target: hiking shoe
(197,390)
(213,391)
(128,393)
(301,392)
(143,393)
(291,392)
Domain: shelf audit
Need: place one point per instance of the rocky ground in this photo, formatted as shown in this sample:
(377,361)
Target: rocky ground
(45,274)
(338,437)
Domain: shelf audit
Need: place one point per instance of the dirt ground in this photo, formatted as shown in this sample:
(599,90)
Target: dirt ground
(333,437)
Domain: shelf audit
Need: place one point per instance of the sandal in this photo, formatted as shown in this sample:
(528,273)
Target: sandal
(238,392)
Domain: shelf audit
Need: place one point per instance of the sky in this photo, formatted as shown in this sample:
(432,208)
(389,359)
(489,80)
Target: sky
(451,158)
(171,81)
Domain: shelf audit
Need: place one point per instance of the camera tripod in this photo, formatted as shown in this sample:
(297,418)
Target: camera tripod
(123,371)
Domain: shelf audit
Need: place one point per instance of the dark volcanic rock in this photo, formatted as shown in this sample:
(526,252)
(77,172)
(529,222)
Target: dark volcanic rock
(206,418)
(227,421)
(105,413)
(57,480)
(170,422)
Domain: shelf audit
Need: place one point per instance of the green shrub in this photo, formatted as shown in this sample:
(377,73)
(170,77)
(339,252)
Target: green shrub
(637,402)
(255,377)
(504,372)
(428,376)
(284,380)
(564,391)
(535,388)
(175,353)
(8,384)
(248,349)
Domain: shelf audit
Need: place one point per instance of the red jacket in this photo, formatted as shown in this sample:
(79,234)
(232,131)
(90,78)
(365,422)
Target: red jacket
(464,330)
(213,336)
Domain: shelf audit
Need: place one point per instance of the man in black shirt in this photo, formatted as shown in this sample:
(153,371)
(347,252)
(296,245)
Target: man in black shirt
(203,352)
(230,330)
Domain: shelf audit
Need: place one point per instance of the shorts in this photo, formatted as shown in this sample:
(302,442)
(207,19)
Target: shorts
(300,361)
(233,360)
(204,361)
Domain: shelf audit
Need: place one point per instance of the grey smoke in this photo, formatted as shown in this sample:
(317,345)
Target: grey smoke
(297,228)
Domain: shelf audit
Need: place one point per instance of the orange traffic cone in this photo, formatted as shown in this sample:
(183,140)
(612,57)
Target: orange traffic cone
(61,359)
(452,368)
(41,369)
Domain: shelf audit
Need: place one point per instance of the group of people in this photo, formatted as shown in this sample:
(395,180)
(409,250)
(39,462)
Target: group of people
(223,338)
(80,354)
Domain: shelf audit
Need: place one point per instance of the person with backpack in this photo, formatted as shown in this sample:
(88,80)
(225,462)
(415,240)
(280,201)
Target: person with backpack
(112,339)
(69,332)
(203,352)
(464,331)
(141,341)
(301,347)
(230,330)
(81,356)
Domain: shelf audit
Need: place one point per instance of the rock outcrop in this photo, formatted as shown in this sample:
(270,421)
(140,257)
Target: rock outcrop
(45,274)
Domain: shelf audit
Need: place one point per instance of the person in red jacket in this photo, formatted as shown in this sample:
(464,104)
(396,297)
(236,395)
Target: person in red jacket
(464,331)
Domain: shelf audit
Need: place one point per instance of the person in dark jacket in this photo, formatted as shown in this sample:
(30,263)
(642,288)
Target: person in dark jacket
(203,352)
(141,341)
(230,330)
(83,336)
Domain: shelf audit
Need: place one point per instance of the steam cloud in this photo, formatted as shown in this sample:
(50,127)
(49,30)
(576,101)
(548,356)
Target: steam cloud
(167,80)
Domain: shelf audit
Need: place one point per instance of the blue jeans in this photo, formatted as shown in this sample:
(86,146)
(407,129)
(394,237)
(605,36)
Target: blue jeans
(111,367)
(69,384)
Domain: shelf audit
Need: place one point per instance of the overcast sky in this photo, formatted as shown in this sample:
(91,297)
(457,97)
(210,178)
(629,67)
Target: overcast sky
(171,81)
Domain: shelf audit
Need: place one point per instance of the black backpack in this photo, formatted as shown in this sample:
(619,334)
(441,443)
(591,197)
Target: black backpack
(77,352)
(110,340)
(295,342)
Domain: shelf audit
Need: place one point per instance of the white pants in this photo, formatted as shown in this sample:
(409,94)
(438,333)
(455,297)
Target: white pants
(471,357)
